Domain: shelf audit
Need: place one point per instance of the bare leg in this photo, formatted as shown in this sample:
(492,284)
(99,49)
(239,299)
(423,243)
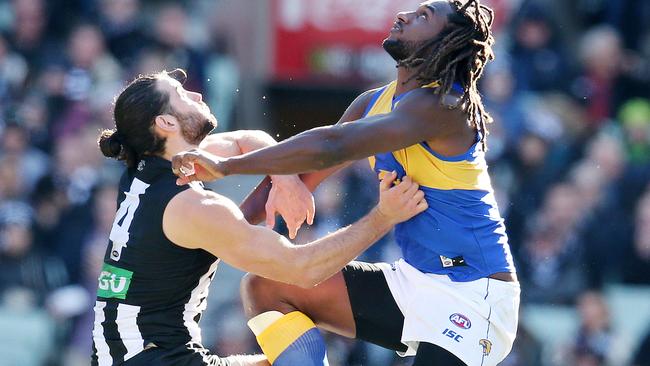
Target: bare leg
(327,304)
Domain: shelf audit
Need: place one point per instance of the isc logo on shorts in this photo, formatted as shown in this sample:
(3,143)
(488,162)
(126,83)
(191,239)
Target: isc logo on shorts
(460,320)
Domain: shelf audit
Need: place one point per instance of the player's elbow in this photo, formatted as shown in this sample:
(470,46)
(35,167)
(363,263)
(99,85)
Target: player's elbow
(263,136)
(286,265)
(301,271)
(310,281)
(306,281)
(310,276)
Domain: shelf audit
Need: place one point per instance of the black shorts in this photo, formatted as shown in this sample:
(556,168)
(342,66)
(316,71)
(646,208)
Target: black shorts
(379,320)
(191,354)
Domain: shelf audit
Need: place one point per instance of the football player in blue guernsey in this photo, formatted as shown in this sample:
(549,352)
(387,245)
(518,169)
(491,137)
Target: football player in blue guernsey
(453,298)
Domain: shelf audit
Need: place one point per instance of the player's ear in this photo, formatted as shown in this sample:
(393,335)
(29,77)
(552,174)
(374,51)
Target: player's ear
(166,123)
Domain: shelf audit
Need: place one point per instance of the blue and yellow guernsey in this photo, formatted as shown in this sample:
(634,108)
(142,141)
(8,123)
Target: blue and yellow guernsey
(461,234)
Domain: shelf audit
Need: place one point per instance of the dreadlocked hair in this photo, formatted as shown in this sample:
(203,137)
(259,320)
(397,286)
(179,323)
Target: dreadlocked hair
(459,54)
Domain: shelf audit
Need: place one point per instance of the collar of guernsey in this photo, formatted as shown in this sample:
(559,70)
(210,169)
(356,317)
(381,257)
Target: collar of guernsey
(462,220)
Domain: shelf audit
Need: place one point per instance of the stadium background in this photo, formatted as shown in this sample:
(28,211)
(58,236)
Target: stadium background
(569,154)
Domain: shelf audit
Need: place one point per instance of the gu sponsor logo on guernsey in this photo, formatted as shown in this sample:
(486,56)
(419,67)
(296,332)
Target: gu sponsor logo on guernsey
(460,320)
(113,282)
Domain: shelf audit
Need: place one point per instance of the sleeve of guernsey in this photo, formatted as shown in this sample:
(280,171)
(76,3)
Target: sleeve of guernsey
(289,339)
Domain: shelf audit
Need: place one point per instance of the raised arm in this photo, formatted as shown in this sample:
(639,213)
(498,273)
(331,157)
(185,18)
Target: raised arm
(417,118)
(253,206)
(188,221)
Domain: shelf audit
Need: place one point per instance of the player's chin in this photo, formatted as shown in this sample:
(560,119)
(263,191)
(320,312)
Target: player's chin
(209,122)
(392,37)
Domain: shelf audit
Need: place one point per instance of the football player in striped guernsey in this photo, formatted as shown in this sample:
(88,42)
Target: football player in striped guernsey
(167,239)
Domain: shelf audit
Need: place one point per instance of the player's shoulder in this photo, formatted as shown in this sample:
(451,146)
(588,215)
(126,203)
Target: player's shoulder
(197,201)
(193,216)
(426,101)
(194,202)
(366,97)
(357,108)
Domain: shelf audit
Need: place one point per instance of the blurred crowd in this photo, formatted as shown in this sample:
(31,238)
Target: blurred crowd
(569,158)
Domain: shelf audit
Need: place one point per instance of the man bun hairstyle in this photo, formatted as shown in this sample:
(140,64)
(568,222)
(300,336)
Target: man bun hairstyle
(135,110)
(109,143)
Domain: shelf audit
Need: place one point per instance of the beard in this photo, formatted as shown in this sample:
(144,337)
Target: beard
(400,50)
(195,126)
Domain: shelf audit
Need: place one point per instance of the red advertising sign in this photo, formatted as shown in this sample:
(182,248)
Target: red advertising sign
(335,40)
(332,38)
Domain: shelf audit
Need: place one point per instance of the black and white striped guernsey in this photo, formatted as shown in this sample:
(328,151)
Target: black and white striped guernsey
(150,290)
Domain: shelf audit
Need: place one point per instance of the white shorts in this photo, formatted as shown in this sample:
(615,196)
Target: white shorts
(476,321)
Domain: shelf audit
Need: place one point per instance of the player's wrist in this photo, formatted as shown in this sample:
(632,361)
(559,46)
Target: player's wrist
(287,180)
(381,219)
(224,166)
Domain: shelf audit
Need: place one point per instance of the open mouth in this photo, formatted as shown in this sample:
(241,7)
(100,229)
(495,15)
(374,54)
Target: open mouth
(396,28)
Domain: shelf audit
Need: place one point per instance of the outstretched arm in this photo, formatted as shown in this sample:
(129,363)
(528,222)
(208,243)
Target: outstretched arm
(417,118)
(187,222)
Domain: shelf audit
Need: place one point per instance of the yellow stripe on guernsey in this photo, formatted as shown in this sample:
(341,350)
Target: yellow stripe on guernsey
(282,333)
(468,173)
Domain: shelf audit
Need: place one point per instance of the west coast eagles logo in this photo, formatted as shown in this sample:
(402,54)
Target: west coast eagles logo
(487,346)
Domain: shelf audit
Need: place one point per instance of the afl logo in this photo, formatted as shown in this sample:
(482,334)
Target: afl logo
(460,320)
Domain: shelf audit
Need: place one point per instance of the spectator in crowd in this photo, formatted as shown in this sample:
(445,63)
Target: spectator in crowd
(636,252)
(538,60)
(171,40)
(634,117)
(29,36)
(536,161)
(22,265)
(601,55)
(123,29)
(503,103)
(33,114)
(595,337)
(13,73)
(33,163)
(78,164)
(608,76)
(551,253)
(603,220)
(91,71)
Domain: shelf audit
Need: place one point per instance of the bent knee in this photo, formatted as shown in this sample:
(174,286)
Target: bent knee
(259,294)
(252,284)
